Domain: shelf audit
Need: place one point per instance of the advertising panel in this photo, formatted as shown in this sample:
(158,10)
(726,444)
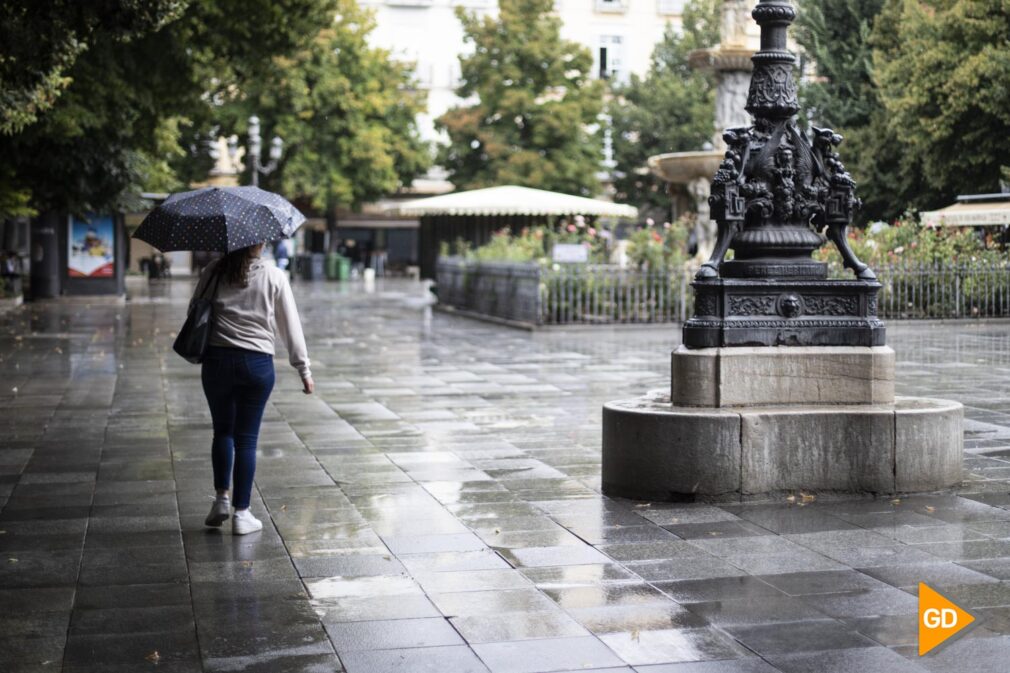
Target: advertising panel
(91,243)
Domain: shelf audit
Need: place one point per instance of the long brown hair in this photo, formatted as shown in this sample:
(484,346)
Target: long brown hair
(234,266)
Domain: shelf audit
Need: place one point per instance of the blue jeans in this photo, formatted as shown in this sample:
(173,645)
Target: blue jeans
(237,384)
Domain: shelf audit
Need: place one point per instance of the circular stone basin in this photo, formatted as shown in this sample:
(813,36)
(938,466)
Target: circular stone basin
(655,451)
(683,168)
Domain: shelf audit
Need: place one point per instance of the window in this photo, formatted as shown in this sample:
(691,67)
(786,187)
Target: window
(610,57)
(670,7)
(611,5)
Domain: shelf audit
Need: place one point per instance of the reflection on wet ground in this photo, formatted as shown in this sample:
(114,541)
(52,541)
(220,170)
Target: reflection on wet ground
(435,507)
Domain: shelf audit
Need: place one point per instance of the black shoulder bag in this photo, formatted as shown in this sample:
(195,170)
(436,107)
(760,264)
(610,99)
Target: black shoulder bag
(195,333)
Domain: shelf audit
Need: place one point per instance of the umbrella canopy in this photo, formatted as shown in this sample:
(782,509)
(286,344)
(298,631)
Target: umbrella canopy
(219,219)
(511,200)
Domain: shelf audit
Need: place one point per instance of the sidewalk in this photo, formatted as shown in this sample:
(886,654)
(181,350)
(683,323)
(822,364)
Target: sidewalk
(435,507)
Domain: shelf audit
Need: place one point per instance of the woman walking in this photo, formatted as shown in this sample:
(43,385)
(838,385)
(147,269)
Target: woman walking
(252,303)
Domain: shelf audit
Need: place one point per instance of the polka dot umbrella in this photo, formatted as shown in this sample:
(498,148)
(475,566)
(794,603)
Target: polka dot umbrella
(219,219)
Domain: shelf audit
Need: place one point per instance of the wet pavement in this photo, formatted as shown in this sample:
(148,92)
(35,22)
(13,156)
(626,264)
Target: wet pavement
(435,507)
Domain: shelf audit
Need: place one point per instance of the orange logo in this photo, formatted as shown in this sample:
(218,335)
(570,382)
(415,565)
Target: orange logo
(939,619)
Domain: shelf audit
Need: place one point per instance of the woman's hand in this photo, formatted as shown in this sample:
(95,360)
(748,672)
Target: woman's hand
(308,386)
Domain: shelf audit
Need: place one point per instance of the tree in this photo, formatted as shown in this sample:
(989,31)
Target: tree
(535,103)
(943,67)
(837,36)
(347,113)
(129,107)
(40,40)
(669,110)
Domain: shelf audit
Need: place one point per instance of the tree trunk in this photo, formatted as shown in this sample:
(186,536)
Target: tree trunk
(331,229)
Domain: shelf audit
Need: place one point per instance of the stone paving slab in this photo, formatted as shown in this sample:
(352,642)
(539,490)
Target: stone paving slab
(436,507)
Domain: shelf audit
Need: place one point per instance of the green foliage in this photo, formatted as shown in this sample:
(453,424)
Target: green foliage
(138,106)
(40,40)
(652,248)
(943,67)
(837,36)
(534,102)
(347,113)
(669,110)
(918,87)
(528,246)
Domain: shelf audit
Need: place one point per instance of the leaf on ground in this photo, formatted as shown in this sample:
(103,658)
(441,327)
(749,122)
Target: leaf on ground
(153,657)
(790,498)
(930,508)
(896,501)
(635,635)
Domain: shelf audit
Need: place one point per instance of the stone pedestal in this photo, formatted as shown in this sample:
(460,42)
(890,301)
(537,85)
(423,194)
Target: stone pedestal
(732,377)
(746,423)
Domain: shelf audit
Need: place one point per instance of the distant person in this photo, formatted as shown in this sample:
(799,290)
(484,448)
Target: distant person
(252,303)
(282,255)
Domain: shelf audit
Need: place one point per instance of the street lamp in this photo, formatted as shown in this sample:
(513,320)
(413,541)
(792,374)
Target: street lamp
(256,167)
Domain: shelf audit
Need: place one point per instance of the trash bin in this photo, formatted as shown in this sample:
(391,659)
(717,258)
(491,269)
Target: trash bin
(344,268)
(332,266)
(313,266)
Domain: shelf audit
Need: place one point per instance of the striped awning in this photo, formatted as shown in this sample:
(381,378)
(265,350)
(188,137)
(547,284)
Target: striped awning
(970,214)
(511,200)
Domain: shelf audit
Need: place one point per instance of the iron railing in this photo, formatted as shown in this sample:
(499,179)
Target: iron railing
(585,294)
(599,294)
(944,291)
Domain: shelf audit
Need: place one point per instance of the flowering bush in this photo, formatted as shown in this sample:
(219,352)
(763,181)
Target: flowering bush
(535,244)
(660,247)
(906,242)
(654,247)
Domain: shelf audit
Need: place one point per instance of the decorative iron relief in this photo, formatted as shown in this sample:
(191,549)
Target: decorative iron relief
(790,305)
(772,88)
(825,305)
(752,305)
(706,304)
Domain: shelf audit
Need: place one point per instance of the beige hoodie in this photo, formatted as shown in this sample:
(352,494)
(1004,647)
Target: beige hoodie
(249,317)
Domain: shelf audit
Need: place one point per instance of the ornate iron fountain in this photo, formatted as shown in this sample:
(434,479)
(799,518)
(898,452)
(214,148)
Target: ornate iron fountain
(779,195)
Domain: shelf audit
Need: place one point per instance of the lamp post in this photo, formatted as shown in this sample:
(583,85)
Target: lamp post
(256,167)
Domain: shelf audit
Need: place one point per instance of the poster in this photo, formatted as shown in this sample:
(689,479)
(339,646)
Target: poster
(92,247)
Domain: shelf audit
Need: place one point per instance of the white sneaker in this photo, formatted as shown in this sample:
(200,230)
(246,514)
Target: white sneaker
(218,511)
(244,523)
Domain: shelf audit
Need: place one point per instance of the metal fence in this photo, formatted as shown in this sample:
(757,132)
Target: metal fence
(603,294)
(590,294)
(944,291)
